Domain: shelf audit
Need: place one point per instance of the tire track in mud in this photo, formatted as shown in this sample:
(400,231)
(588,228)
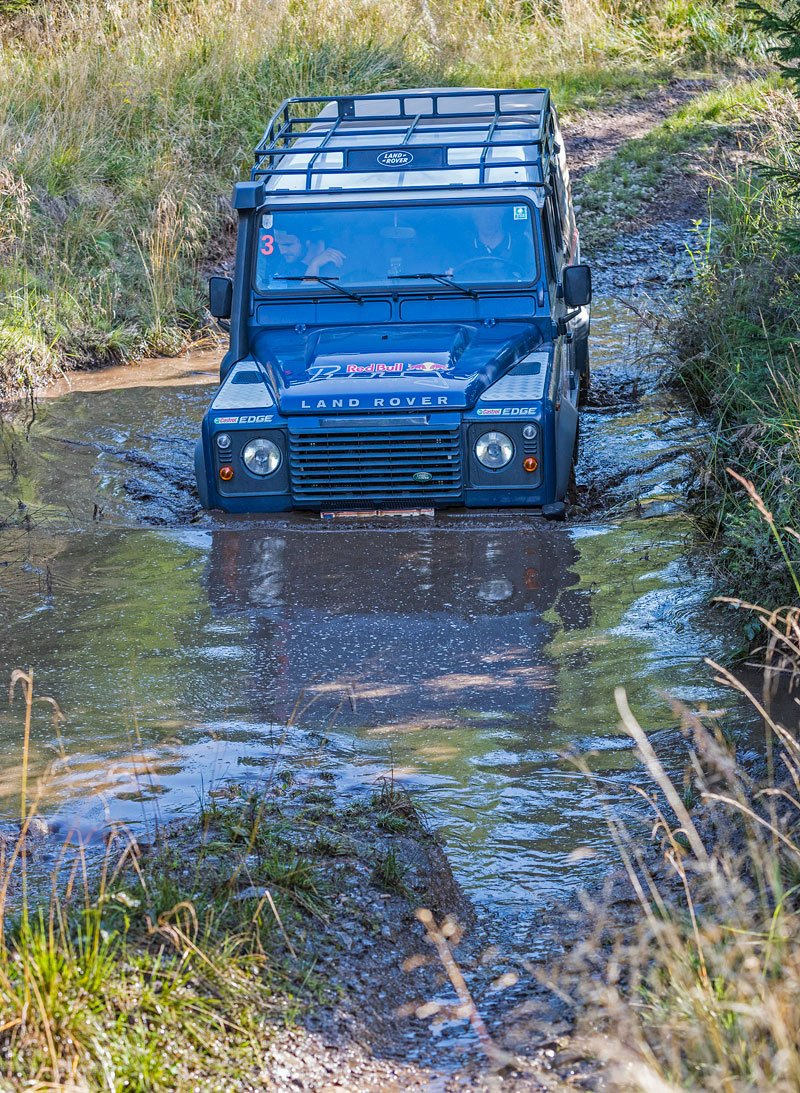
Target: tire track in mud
(595,135)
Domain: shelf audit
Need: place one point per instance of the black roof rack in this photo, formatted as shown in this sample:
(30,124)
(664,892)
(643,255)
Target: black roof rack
(387,132)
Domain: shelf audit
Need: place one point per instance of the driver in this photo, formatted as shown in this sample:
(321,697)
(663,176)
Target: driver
(492,238)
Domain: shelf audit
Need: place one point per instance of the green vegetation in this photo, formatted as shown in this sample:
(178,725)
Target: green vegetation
(137,987)
(737,339)
(176,966)
(124,126)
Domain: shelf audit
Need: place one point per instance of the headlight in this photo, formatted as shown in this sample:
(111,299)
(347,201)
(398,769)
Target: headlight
(494,450)
(261,456)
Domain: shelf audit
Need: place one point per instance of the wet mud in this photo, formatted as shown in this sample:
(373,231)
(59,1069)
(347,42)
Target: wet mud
(461,656)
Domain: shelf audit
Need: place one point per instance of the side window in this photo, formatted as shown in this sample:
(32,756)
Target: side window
(560,197)
(549,241)
(555,220)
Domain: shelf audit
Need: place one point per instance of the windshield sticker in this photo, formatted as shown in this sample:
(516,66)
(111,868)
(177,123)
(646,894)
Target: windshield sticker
(267,244)
(520,212)
(266,221)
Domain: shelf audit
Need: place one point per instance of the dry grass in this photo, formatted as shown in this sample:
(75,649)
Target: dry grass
(699,988)
(124,125)
(737,339)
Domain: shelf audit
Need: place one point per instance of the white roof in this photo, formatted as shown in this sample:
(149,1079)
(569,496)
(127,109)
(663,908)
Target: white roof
(467,129)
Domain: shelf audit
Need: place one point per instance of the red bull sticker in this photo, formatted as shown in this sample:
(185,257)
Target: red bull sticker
(372,369)
(395,368)
(328,365)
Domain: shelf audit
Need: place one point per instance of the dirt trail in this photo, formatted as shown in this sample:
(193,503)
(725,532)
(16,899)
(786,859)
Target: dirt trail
(595,135)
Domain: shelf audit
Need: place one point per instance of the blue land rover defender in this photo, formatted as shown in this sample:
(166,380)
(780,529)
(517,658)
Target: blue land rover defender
(409,317)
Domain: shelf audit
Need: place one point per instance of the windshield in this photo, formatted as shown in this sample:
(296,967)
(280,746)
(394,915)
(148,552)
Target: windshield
(463,245)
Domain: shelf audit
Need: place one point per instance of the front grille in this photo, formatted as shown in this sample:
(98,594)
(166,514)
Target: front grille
(349,465)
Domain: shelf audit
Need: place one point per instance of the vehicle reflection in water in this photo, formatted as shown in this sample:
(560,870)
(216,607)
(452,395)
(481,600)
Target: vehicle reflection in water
(461,660)
(395,630)
(471,660)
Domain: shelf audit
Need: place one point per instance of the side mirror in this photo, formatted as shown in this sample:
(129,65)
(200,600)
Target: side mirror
(220,297)
(577,284)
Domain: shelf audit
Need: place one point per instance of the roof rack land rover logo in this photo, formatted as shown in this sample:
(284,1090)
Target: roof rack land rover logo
(395,159)
(422,476)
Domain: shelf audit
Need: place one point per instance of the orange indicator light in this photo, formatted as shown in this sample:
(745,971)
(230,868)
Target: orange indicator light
(226,473)
(530,463)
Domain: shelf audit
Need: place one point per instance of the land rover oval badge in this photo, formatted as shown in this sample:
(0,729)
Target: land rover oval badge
(395,159)
(423,476)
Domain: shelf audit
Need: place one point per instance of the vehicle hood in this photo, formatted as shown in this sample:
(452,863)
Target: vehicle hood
(384,368)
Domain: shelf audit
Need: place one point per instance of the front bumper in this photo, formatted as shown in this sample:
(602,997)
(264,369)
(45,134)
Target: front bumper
(394,462)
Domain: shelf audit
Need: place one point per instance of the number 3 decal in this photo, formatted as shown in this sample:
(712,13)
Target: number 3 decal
(267,244)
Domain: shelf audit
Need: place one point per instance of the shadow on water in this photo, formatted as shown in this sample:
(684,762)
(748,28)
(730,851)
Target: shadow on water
(461,657)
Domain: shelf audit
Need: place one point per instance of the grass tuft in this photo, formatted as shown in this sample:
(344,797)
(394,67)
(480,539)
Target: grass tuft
(390,874)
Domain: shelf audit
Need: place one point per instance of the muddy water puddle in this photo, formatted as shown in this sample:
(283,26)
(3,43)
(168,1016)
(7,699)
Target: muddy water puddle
(461,656)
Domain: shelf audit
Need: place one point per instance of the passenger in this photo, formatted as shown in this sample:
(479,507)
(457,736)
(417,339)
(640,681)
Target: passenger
(493,239)
(298,257)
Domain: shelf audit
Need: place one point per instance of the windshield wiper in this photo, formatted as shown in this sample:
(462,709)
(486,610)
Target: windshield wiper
(442,278)
(329,281)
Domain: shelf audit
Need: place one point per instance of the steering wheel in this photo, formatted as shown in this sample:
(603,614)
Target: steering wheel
(504,264)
